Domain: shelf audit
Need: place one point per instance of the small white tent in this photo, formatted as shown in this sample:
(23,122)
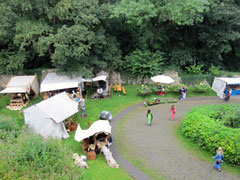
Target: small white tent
(22,84)
(96,127)
(45,118)
(220,84)
(54,81)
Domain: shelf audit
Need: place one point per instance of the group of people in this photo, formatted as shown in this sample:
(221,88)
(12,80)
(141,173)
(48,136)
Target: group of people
(183,93)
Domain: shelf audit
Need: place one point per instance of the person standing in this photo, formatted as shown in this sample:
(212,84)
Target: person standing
(181,93)
(81,106)
(149,117)
(184,92)
(100,93)
(229,91)
(219,159)
(173,111)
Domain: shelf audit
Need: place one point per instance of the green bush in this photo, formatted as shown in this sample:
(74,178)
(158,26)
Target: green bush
(209,127)
(202,87)
(31,157)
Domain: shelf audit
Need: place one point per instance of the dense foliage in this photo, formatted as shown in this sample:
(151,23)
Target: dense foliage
(214,126)
(27,156)
(90,35)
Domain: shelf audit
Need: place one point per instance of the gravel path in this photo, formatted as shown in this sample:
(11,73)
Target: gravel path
(157,145)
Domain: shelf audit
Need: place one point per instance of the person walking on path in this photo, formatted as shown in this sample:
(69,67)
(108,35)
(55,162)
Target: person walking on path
(219,159)
(149,117)
(229,91)
(173,111)
(184,92)
(181,93)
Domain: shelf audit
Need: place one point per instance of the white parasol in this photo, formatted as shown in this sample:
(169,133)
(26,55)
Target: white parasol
(162,79)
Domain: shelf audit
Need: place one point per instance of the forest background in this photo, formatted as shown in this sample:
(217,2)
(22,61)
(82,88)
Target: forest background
(140,36)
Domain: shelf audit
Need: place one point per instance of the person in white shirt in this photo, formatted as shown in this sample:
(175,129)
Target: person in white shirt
(100,93)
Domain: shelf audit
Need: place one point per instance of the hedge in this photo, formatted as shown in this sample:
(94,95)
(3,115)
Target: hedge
(209,127)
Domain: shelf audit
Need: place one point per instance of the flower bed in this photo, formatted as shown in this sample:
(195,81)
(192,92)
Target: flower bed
(155,101)
(214,126)
(143,90)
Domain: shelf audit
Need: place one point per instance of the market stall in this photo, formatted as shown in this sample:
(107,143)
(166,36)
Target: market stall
(221,84)
(96,139)
(46,118)
(20,88)
(55,83)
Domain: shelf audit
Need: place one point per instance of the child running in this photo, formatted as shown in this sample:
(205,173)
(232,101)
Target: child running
(173,111)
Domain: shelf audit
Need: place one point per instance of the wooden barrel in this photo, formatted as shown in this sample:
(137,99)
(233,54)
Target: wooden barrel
(92,155)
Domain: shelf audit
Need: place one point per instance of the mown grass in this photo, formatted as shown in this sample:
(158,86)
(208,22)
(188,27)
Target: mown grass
(98,169)
(202,154)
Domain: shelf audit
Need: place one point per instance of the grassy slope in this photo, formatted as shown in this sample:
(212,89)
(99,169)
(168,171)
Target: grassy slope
(98,169)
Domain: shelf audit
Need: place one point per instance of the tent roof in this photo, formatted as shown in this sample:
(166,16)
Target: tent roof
(14,90)
(20,81)
(19,84)
(100,78)
(54,81)
(40,122)
(230,81)
(96,127)
(58,107)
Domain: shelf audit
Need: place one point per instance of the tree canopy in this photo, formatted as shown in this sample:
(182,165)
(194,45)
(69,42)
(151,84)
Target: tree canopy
(86,36)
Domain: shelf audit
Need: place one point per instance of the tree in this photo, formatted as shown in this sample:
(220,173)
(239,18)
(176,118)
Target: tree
(68,33)
(144,63)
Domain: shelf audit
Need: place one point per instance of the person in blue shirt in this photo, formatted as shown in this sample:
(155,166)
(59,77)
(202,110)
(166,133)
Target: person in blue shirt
(219,159)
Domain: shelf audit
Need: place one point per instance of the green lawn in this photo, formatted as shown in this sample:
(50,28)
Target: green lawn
(98,169)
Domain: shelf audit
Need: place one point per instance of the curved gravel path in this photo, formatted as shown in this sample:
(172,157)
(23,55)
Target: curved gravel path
(157,145)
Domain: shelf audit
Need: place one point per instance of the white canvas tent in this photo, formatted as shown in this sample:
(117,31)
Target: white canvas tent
(46,118)
(219,85)
(53,82)
(22,84)
(97,127)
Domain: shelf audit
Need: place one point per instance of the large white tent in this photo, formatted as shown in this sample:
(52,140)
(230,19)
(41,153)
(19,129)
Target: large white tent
(97,127)
(220,83)
(22,84)
(45,118)
(54,81)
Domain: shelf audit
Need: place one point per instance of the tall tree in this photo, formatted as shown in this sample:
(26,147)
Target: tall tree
(68,33)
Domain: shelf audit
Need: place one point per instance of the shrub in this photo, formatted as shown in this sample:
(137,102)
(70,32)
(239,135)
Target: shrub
(206,125)
(31,157)
(202,87)
(194,69)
